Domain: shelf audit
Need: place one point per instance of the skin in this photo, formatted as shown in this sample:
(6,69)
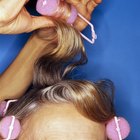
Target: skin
(18,20)
(56,122)
(60,122)
(85,8)
(21,70)
(14,18)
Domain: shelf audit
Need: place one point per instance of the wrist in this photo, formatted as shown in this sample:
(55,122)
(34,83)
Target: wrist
(35,45)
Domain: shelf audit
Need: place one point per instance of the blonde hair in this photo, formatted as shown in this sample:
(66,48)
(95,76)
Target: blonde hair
(64,51)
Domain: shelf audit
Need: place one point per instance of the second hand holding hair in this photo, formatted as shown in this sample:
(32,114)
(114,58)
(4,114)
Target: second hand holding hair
(65,11)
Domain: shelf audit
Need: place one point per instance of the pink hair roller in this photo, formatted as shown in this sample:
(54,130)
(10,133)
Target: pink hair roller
(51,8)
(117,128)
(10,128)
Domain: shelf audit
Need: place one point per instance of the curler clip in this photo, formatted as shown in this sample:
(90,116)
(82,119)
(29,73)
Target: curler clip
(94,36)
(117,127)
(7,105)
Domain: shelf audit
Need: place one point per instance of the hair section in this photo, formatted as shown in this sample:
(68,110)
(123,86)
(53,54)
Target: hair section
(64,51)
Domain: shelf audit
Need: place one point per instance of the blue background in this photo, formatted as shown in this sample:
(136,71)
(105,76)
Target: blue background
(115,55)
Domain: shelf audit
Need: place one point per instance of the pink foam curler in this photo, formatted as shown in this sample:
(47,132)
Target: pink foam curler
(73,15)
(117,128)
(10,128)
(51,8)
(43,7)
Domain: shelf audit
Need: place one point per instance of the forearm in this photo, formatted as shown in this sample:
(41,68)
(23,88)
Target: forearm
(17,78)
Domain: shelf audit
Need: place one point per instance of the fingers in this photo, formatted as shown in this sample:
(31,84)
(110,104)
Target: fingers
(98,1)
(26,23)
(73,2)
(85,8)
(91,5)
(80,24)
(20,26)
(11,8)
(40,22)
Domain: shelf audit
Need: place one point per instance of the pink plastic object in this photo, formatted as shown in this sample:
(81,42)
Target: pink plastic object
(94,36)
(72,16)
(50,7)
(2,107)
(47,7)
(10,128)
(117,128)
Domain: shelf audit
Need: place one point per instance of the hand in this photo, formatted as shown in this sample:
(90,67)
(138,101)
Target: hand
(14,18)
(85,8)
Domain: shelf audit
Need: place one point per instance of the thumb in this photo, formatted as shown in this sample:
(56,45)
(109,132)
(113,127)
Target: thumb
(41,22)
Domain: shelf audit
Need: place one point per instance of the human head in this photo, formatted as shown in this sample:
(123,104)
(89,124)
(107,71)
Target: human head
(89,101)
(84,100)
(61,122)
